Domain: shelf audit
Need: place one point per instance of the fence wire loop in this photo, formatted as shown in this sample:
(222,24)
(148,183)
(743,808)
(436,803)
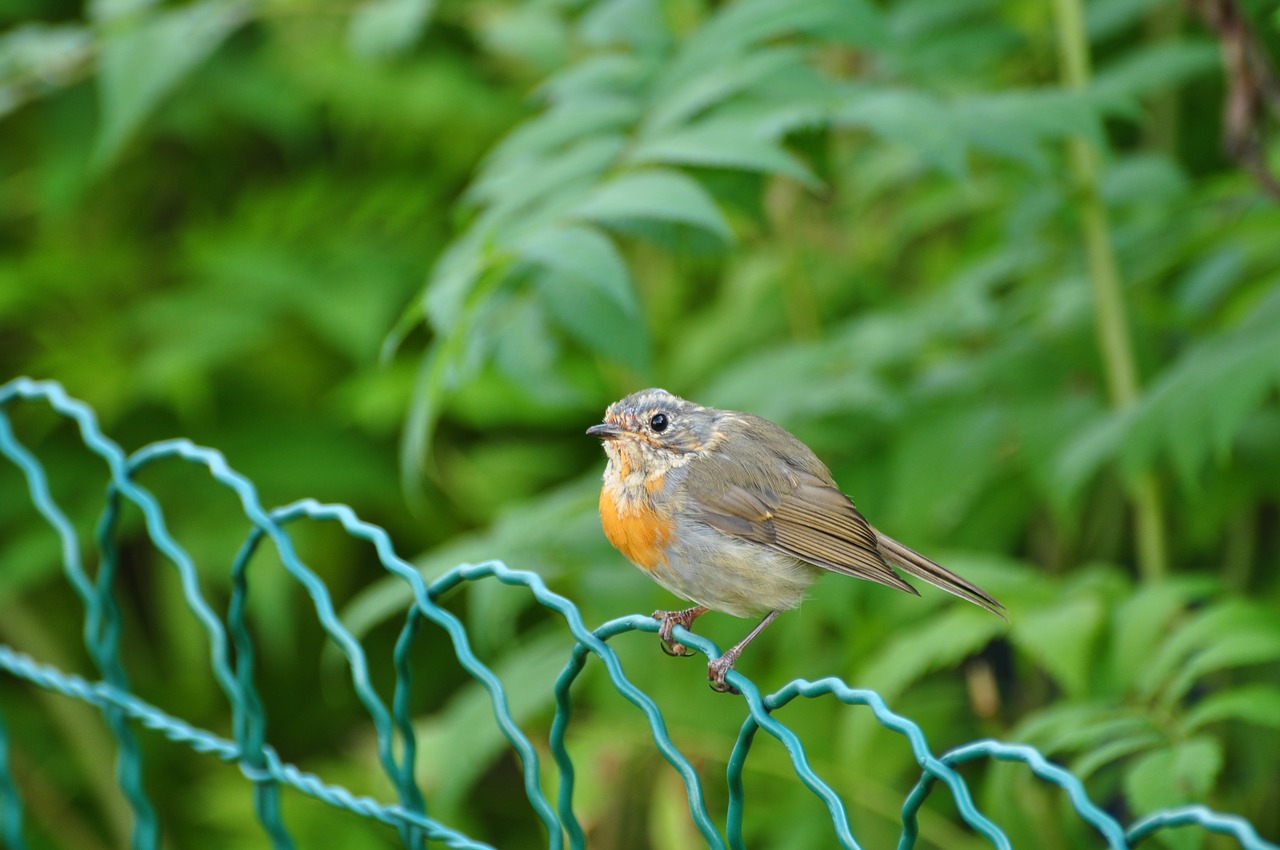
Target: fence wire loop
(231,661)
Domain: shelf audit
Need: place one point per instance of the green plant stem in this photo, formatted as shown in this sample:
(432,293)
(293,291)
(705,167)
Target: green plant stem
(1112,323)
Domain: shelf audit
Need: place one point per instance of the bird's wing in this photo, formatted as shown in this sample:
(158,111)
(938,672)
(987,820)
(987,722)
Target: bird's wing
(806,518)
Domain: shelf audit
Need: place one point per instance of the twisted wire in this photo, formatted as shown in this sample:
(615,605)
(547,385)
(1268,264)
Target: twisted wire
(231,658)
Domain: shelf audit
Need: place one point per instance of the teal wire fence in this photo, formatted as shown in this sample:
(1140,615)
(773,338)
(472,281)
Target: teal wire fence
(231,660)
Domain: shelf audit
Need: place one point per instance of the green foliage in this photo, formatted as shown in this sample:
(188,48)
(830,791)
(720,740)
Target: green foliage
(381,28)
(145,53)
(858,219)
(1166,669)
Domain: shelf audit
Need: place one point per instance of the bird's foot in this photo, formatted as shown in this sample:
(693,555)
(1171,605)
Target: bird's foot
(671,619)
(718,669)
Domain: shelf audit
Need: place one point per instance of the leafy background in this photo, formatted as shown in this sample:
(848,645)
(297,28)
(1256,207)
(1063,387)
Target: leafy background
(988,259)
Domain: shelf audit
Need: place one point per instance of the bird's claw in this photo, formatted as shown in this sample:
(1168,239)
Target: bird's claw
(669,620)
(676,649)
(716,672)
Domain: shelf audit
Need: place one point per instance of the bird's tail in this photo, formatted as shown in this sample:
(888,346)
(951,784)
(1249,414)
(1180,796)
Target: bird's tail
(937,575)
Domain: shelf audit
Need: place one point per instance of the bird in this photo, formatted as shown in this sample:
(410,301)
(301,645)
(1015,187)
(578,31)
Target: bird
(733,513)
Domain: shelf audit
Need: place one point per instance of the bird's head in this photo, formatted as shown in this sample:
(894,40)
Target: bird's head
(653,430)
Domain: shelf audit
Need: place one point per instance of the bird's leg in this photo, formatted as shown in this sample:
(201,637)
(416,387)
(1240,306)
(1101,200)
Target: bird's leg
(720,667)
(669,620)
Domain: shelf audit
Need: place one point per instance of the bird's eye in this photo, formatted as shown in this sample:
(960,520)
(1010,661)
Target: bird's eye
(658,422)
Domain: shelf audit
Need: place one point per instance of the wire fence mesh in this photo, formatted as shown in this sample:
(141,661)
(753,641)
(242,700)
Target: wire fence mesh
(232,663)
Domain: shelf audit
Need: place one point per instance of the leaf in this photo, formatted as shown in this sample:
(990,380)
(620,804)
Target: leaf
(455,355)
(1081,458)
(1200,632)
(915,21)
(914,120)
(1233,648)
(1210,279)
(1198,405)
(1113,750)
(1097,729)
(540,187)
(1196,764)
(1043,424)
(430,390)
(1183,773)
(585,255)
(526,350)
(36,58)
(779,383)
(721,144)
(1016,124)
(729,55)
(586,288)
(1146,618)
(1062,639)
(1103,20)
(748,23)
(1045,727)
(595,321)
(1148,784)
(457,745)
(1194,409)
(738,27)
(946,640)
(382,28)
(105,12)
(1160,66)
(657,195)
(1256,704)
(529,535)
(606,76)
(1141,180)
(531,34)
(144,57)
(454,277)
(700,93)
(586,116)
(961,445)
(774,119)
(637,24)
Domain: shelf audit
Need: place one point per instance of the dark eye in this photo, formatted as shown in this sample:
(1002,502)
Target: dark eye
(658,422)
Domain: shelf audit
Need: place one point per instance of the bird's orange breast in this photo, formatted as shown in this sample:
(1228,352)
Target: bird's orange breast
(635,529)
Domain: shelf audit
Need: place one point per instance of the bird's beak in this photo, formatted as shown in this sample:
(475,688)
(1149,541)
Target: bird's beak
(605,431)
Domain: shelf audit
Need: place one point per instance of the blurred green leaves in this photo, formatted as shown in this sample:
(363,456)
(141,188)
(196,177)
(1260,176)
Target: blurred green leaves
(381,28)
(144,54)
(594,159)
(856,219)
(36,58)
(1196,408)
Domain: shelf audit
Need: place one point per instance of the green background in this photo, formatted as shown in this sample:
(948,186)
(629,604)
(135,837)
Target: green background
(989,259)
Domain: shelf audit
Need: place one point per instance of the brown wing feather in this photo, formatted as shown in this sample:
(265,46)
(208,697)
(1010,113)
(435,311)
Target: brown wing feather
(793,506)
(812,521)
(936,574)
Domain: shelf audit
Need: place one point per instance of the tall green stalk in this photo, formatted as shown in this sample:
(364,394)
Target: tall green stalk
(1110,316)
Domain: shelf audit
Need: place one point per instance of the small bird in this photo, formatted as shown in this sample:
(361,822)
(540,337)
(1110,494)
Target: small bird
(735,514)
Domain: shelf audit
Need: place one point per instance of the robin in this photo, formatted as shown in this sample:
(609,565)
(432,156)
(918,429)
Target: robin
(735,514)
